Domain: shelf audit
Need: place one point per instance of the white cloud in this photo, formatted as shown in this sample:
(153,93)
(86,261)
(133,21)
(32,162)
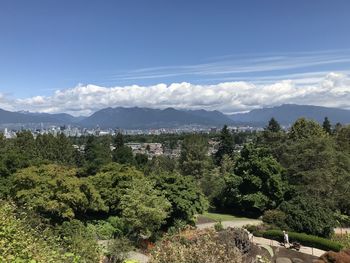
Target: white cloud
(332,90)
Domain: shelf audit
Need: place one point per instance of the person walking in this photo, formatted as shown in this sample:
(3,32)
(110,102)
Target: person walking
(286,238)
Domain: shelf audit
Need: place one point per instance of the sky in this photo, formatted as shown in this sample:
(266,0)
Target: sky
(78,56)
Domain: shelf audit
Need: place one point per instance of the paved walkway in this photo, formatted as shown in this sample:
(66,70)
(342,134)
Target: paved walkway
(261,240)
(233,223)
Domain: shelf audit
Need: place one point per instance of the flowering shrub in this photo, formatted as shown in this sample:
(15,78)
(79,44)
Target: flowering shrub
(195,246)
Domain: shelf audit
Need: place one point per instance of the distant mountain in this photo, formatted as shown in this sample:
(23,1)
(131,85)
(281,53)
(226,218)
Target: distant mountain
(134,118)
(7,117)
(287,114)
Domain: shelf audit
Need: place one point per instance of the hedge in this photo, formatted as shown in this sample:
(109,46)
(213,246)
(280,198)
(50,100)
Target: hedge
(304,239)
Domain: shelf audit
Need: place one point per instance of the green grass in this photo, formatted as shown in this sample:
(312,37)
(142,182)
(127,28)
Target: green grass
(222,217)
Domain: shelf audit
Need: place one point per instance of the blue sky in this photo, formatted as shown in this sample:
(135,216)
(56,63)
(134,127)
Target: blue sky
(50,46)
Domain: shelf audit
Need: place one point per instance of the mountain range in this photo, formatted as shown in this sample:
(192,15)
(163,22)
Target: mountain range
(141,118)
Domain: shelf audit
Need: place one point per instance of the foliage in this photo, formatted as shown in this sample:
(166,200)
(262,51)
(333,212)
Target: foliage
(218,226)
(111,181)
(256,184)
(143,207)
(276,218)
(54,191)
(77,239)
(304,239)
(117,250)
(184,195)
(303,128)
(343,239)
(97,153)
(273,126)
(20,242)
(327,127)
(196,247)
(123,155)
(193,157)
(226,145)
(309,216)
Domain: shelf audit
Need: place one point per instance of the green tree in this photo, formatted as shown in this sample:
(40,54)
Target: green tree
(183,193)
(111,182)
(97,154)
(144,208)
(303,128)
(123,155)
(256,184)
(118,141)
(327,127)
(273,126)
(226,145)
(307,215)
(193,157)
(55,192)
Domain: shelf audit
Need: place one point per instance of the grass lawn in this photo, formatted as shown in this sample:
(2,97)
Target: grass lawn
(221,217)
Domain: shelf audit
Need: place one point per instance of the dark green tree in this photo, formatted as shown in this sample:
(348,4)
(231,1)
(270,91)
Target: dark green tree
(185,196)
(327,127)
(307,215)
(303,128)
(273,126)
(226,145)
(256,184)
(118,141)
(193,158)
(123,155)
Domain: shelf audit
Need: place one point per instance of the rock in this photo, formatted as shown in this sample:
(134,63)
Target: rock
(283,260)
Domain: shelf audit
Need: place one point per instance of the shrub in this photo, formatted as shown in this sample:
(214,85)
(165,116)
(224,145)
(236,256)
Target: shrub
(20,242)
(117,250)
(308,215)
(304,239)
(196,246)
(275,217)
(218,226)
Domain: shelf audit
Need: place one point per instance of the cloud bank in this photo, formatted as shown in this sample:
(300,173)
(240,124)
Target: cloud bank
(332,90)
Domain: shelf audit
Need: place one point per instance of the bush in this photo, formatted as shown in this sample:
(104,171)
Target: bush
(304,239)
(275,217)
(308,215)
(195,246)
(118,249)
(218,226)
(20,242)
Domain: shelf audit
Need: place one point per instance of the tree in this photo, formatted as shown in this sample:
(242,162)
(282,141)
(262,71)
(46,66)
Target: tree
(55,192)
(111,181)
(183,193)
(327,127)
(226,145)
(193,157)
(143,207)
(273,126)
(96,154)
(118,140)
(141,160)
(123,155)
(303,128)
(256,184)
(307,215)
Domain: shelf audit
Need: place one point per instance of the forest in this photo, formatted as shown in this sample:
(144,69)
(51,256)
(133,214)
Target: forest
(59,203)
